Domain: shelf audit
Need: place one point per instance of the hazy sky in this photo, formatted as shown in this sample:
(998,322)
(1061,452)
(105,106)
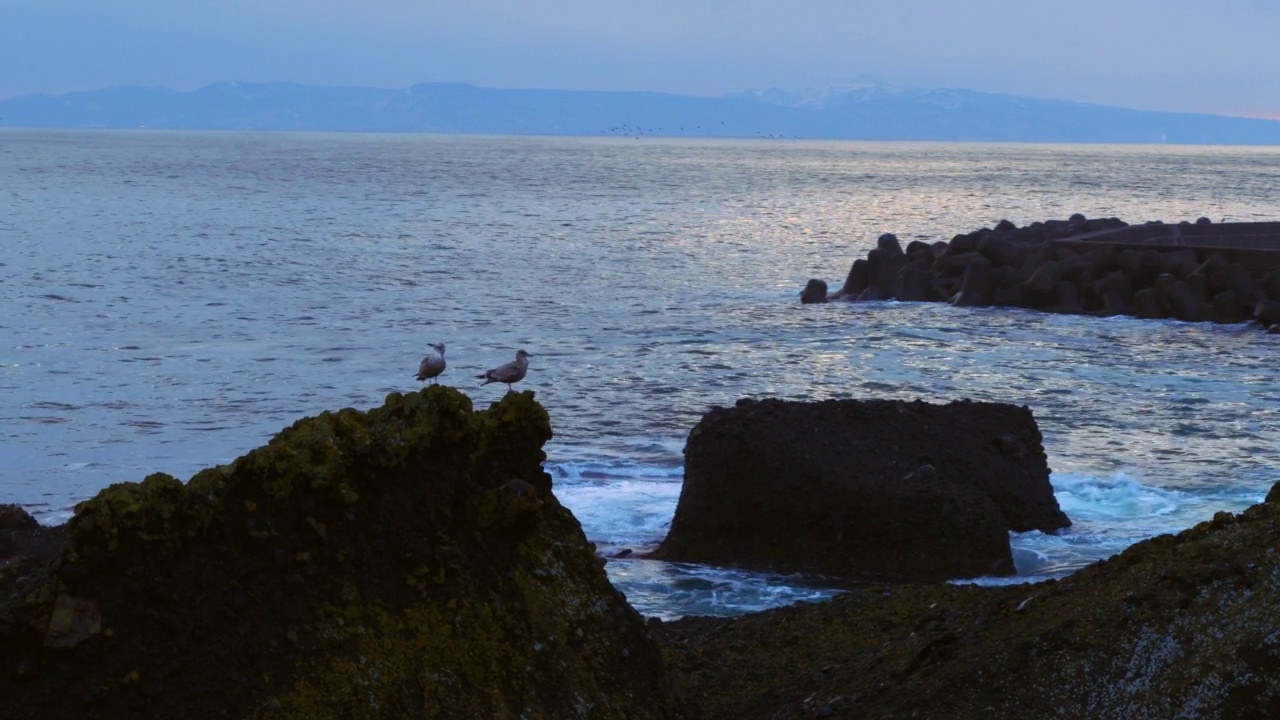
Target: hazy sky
(1220,56)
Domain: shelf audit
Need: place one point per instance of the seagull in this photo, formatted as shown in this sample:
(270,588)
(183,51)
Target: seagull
(433,364)
(512,372)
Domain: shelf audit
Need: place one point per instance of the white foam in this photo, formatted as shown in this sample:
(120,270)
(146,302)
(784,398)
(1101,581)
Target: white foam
(628,505)
(1110,513)
(629,513)
(672,590)
(575,471)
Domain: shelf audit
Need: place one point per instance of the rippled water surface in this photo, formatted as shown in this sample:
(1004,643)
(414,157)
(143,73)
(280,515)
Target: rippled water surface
(170,300)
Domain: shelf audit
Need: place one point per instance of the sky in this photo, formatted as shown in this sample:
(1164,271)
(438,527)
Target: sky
(1213,56)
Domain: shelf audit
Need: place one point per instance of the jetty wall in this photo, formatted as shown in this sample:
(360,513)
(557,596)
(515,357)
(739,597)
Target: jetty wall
(1196,272)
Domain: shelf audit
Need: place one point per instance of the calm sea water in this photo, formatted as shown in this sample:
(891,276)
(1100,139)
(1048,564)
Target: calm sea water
(168,301)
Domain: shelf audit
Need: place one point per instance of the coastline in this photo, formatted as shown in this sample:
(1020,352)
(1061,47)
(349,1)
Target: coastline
(1191,614)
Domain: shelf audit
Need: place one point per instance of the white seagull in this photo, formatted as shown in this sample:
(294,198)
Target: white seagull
(512,372)
(433,364)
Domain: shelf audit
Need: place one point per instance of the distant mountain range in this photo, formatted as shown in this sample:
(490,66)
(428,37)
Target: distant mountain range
(869,111)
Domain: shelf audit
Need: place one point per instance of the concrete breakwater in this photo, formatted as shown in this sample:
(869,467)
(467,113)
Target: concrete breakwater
(1197,272)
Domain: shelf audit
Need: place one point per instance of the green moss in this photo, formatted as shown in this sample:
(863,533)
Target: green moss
(409,561)
(159,513)
(1177,626)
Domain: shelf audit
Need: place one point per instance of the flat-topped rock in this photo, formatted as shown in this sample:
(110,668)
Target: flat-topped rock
(862,489)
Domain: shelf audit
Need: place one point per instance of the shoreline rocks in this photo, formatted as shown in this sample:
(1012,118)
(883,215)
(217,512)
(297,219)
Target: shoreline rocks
(862,489)
(412,562)
(406,562)
(1201,272)
(1176,626)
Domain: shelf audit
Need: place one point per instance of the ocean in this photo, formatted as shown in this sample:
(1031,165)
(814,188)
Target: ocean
(170,300)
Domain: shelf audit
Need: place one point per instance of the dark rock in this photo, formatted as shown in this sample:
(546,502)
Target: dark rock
(164,601)
(1003,252)
(1227,308)
(861,489)
(1267,312)
(1245,286)
(915,285)
(961,244)
(1104,260)
(955,264)
(975,290)
(1185,303)
(883,265)
(1210,267)
(1146,304)
(1182,263)
(1025,267)
(1011,295)
(1150,267)
(14,517)
(1042,286)
(1037,254)
(920,252)
(1203,221)
(1116,292)
(1007,276)
(1098,224)
(1067,299)
(1176,626)
(815,291)
(1054,229)
(889,245)
(1271,283)
(857,280)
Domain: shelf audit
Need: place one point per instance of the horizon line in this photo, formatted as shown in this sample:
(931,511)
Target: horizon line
(1270,116)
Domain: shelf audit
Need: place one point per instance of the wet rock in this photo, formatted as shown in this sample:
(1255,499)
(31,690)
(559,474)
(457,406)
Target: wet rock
(1271,284)
(1146,304)
(862,489)
(1267,312)
(915,284)
(1228,309)
(815,291)
(1001,251)
(1010,266)
(857,280)
(1176,626)
(1184,302)
(975,289)
(888,244)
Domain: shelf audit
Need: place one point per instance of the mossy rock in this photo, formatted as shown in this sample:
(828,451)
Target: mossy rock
(1179,626)
(406,562)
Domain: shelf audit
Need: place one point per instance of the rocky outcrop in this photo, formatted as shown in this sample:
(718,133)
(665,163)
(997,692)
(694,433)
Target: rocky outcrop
(1198,272)
(873,489)
(406,562)
(1175,627)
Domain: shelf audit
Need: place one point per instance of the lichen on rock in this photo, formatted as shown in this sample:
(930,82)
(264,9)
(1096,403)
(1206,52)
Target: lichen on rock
(409,561)
(1178,626)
